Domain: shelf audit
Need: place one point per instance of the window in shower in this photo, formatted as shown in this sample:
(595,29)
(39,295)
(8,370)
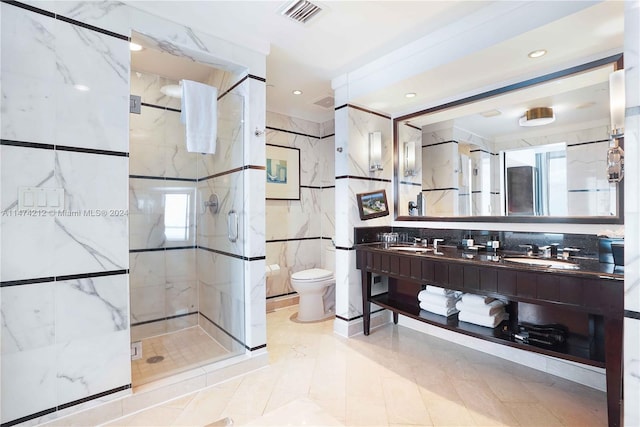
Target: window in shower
(176,217)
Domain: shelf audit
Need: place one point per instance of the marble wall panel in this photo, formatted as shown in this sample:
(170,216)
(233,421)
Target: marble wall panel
(292,256)
(27,241)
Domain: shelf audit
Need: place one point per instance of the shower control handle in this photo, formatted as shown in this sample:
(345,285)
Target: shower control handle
(232,226)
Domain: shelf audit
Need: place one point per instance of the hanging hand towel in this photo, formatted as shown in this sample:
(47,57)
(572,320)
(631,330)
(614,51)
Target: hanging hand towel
(200,116)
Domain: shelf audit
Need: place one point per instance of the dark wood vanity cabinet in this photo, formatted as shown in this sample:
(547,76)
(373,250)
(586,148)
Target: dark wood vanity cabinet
(588,303)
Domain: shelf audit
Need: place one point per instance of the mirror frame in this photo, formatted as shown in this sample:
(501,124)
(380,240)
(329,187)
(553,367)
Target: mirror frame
(616,60)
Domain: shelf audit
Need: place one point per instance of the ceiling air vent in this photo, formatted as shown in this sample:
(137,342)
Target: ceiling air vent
(325,102)
(300,10)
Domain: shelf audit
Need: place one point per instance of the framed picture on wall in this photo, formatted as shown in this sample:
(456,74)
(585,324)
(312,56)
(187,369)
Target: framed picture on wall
(283,173)
(373,205)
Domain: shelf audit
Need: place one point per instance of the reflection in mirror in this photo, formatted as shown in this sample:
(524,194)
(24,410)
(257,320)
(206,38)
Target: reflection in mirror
(532,151)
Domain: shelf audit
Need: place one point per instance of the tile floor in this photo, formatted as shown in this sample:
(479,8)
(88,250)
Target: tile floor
(182,350)
(393,377)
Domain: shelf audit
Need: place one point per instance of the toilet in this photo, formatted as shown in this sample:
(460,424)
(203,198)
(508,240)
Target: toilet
(316,289)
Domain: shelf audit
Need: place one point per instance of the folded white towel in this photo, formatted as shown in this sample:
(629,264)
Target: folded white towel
(200,115)
(442,311)
(440,291)
(437,300)
(476,299)
(477,319)
(489,309)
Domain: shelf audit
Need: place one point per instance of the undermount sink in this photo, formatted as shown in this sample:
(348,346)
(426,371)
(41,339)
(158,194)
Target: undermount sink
(543,262)
(409,248)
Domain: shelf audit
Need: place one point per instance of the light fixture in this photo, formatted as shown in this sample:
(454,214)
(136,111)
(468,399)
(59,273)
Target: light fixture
(410,95)
(537,117)
(134,47)
(615,153)
(81,88)
(174,91)
(409,158)
(617,102)
(297,92)
(375,151)
(537,53)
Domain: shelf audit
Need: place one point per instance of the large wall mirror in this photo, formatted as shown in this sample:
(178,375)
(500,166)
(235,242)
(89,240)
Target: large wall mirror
(535,151)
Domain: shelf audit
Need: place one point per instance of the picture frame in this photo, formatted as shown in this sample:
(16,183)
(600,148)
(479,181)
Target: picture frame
(283,173)
(373,204)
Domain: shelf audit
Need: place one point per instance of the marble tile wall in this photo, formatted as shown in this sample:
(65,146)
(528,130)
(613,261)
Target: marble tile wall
(64,295)
(64,276)
(632,215)
(353,177)
(298,232)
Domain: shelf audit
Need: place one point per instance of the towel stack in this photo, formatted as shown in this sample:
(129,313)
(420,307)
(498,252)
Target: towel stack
(481,310)
(439,300)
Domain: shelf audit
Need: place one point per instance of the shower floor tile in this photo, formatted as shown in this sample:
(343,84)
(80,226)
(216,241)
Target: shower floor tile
(180,351)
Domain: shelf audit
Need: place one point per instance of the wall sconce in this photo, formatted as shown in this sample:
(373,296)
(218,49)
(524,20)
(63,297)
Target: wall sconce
(409,158)
(375,151)
(615,154)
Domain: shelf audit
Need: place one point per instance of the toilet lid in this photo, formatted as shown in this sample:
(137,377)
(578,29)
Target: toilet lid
(312,274)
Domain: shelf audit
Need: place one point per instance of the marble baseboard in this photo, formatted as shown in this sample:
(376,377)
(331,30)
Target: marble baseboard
(284,301)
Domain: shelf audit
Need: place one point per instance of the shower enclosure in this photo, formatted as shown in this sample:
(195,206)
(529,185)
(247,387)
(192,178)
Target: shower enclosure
(186,260)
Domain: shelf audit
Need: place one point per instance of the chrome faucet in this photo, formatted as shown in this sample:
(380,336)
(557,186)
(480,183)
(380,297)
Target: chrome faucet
(435,243)
(569,252)
(531,249)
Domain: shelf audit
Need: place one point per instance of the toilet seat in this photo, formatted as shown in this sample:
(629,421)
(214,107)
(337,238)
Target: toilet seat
(311,275)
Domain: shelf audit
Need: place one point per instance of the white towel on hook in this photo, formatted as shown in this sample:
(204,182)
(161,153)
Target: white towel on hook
(200,116)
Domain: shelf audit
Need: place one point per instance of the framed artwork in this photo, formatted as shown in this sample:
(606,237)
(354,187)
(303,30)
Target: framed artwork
(283,173)
(373,205)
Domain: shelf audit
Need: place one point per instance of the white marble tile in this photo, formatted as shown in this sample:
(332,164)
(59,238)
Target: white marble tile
(28,382)
(255,206)
(292,124)
(221,290)
(443,166)
(328,227)
(146,231)
(631,371)
(92,365)
(255,105)
(101,302)
(147,269)
(28,317)
(213,229)
(27,241)
(93,236)
(255,319)
(296,218)
(148,303)
(148,160)
(99,119)
(360,125)
(147,86)
(92,181)
(181,265)
(441,203)
(181,297)
(112,17)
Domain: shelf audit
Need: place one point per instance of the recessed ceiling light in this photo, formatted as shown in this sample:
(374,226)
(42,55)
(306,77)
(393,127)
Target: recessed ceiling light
(490,113)
(410,95)
(135,47)
(297,92)
(81,88)
(537,53)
